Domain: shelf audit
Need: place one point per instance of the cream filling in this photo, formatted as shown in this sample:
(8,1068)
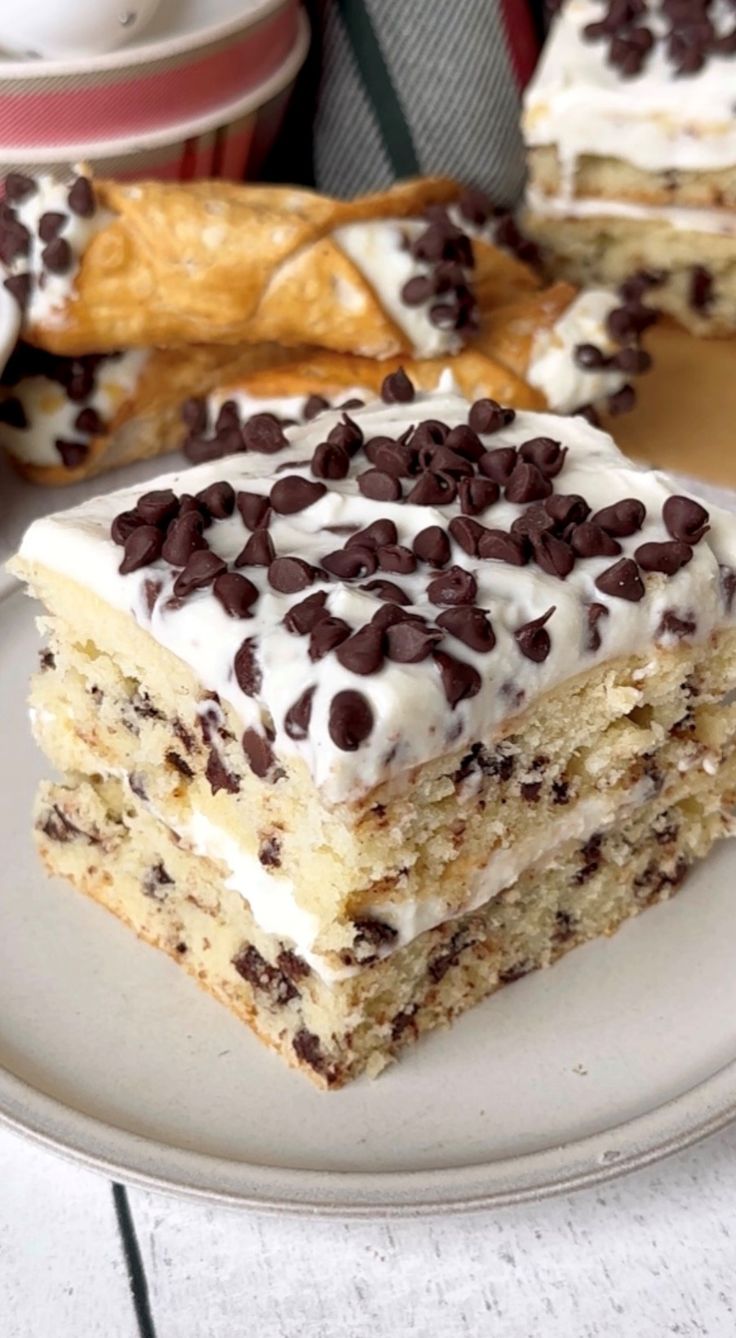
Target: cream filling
(51,292)
(552,366)
(283,406)
(378,249)
(718,222)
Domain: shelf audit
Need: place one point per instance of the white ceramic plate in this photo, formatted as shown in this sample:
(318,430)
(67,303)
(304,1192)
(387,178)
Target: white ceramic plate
(623,1052)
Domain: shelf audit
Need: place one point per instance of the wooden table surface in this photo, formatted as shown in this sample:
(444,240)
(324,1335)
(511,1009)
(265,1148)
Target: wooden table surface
(685,418)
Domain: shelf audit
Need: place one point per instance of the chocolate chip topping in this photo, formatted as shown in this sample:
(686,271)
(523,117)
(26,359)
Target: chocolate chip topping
(81,198)
(258,752)
(183,537)
(397,388)
(476,494)
(700,292)
(362,652)
(502,547)
(294,493)
(89,422)
(466,532)
(290,574)
(685,519)
(432,546)
(459,679)
(73,453)
(218,500)
(258,551)
(409,640)
(327,634)
(19,286)
(200,571)
(247,669)
(254,508)
(527,484)
(351,563)
(487,416)
(666,557)
(330,461)
(533,639)
(350,720)
(454,586)
(567,509)
(622,580)
(379,486)
(622,518)
(546,454)
(57,256)
(470,625)
(302,617)
(49,225)
(142,547)
(157,507)
(19,187)
(590,540)
(553,555)
(263,432)
(235,593)
(298,716)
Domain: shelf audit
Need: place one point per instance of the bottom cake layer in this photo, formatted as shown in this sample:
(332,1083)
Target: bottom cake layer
(698,269)
(95,834)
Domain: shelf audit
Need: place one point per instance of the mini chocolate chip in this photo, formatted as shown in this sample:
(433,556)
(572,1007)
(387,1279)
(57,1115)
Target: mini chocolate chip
(235,593)
(299,714)
(258,551)
(142,547)
(590,540)
(446,461)
(313,405)
(533,639)
(50,224)
(247,669)
(407,641)
(459,679)
(294,493)
(622,518)
(19,286)
(200,571)
(81,198)
(259,753)
(302,617)
(13,413)
(346,434)
(428,434)
(488,416)
(532,522)
(548,455)
(228,418)
(622,580)
(254,509)
(502,547)
(387,590)
(454,586)
(466,532)
(15,239)
(397,388)
(589,357)
(218,499)
(183,537)
(633,361)
(527,484)
(123,525)
(685,519)
(157,507)
(672,626)
(362,652)
(263,432)
(89,421)
(666,557)
(594,614)
(465,442)
(433,546)
(567,509)
(470,625)
(622,401)
(290,574)
(396,558)
(330,461)
(73,453)
(57,256)
(351,563)
(218,775)
(376,535)
(553,555)
(433,490)
(475,495)
(390,457)
(350,720)
(700,292)
(326,635)
(19,187)
(379,486)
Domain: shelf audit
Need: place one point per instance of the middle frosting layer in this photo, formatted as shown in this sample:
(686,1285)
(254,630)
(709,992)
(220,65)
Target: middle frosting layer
(513,552)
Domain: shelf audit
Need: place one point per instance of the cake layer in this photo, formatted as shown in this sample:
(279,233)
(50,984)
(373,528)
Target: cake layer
(466,829)
(697,201)
(98,837)
(695,271)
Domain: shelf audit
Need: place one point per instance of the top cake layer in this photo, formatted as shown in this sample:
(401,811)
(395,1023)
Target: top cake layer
(647,81)
(378,587)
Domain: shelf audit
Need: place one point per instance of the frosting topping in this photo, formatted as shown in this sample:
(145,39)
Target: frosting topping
(392,584)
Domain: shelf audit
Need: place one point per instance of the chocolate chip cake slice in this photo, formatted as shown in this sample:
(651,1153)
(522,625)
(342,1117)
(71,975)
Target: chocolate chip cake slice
(365,723)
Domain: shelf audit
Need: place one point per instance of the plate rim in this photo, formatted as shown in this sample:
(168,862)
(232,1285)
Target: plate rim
(696,1114)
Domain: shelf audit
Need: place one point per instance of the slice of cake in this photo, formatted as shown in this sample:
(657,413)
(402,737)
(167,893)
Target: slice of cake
(630,123)
(363,724)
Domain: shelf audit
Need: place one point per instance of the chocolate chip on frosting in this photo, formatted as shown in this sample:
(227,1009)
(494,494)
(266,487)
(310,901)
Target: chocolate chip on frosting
(459,679)
(263,432)
(533,521)
(157,507)
(326,635)
(685,519)
(183,537)
(350,720)
(408,641)
(533,639)
(81,198)
(50,224)
(622,518)
(553,555)
(589,540)
(200,571)
(476,495)
(218,499)
(387,590)
(502,547)
(247,669)
(486,416)
(454,586)
(299,714)
(622,580)
(57,256)
(142,547)
(346,434)
(254,508)
(379,486)
(294,493)
(258,551)
(313,405)
(13,413)
(73,453)
(235,593)
(19,187)
(548,455)
(376,535)
(467,533)
(396,558)
(123,525)
(432,546)
(19,286)
(290,574)
(470,625)
(527,484)
(594,614)
(362,653)
(351,563)
(700,291)
(302,617)
(464,441)
(433,489)
(666,557)
(89,421)
(397,388)
(567,509)
(259,753)
(330,461)
(499,464)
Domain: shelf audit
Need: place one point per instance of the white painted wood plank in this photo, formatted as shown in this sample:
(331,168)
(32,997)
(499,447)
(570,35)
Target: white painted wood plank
(651,1255)
(62,1271)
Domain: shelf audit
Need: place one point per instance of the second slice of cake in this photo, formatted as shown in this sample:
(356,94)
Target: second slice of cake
(362,724)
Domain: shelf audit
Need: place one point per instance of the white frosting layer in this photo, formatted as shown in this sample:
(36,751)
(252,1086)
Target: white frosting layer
(552,366)
(717,222)
(412,719)
(51,415)
(656,120)
(379,250)
(50,292)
